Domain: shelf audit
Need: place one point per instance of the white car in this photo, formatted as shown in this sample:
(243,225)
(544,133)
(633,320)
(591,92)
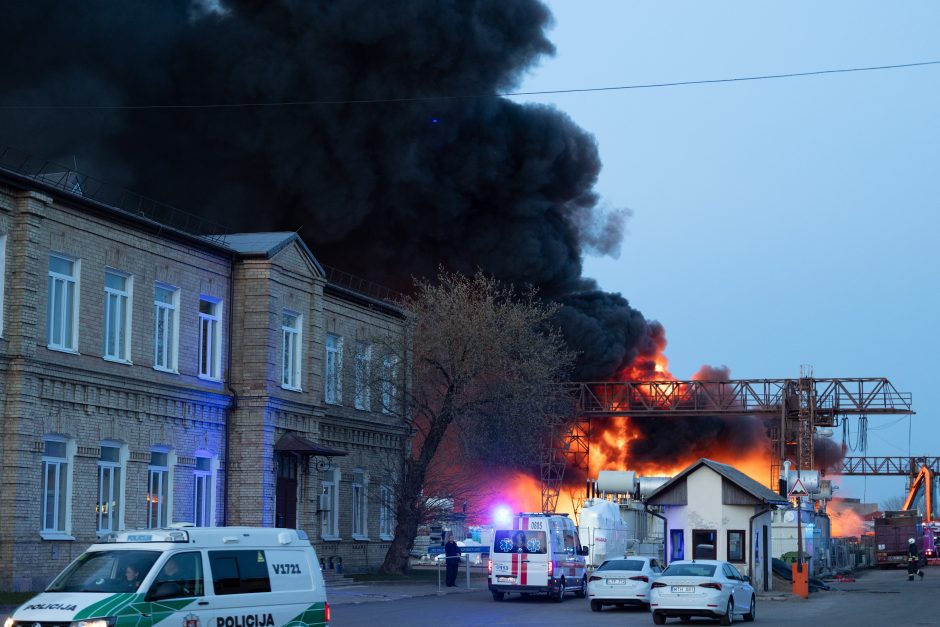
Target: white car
(623,581)
(708,588)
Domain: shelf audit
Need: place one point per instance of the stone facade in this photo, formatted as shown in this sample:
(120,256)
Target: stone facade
(85,435)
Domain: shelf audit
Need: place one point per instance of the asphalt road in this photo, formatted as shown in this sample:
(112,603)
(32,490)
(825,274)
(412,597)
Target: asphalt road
(876,598)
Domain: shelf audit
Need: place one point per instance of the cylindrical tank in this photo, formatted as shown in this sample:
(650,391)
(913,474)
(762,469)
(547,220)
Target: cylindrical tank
(648,485)
(616,481)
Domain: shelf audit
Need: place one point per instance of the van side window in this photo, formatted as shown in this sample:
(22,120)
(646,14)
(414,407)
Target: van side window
(180,577)
(239,572)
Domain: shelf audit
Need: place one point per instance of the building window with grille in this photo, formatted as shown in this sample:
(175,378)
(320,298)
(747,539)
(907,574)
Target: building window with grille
(55,510)
(386,513)
(62,324)
(363,387)
(204,491)
(333,375)
(390,374)
(109,510)
(360,506)
(290,350)
(329,504)
(159,492)
(166,302)
(117,316)
(210,338)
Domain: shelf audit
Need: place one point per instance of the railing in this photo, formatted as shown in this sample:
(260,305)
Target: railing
(363,286)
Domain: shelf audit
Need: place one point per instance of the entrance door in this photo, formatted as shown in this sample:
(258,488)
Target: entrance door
(285,494)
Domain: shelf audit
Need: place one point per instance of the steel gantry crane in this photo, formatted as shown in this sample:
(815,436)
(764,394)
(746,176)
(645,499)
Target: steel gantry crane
(922,474)
(792,408)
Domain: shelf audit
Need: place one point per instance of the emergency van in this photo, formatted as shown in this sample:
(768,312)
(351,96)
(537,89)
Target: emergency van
(541,553)
(186,577)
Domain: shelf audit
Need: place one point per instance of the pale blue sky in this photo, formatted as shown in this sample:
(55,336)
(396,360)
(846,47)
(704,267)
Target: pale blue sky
(775,223)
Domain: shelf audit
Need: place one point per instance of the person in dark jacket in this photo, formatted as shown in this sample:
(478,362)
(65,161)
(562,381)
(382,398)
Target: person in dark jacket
(913,560)
(452,557)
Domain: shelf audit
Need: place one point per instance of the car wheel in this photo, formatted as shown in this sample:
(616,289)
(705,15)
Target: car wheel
(752,613)
(560,595)
(596,606)
(728,618)
(498,596)
(582,591)
(659,619)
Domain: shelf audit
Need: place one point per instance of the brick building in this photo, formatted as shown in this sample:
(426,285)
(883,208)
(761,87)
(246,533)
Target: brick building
(151,376)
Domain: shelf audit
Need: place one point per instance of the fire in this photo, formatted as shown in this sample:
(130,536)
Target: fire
(845,521)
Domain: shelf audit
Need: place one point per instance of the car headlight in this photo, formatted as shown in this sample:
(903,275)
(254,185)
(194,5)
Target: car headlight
(93,622)
(9,622)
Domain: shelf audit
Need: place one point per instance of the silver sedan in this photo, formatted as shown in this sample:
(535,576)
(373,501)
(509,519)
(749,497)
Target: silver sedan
(622,581)
(702,588)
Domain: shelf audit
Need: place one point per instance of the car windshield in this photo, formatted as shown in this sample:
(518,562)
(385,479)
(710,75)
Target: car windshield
(105,571)
(518,541)
(689,570)
(622,565)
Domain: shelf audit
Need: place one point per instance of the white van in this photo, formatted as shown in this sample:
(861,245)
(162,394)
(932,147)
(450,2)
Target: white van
(540,553)
(186,577)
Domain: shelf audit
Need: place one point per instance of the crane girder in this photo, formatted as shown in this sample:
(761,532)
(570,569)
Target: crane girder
(899,466)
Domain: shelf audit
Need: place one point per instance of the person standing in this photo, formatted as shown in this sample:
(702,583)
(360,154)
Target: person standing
(913,560)
(452,558)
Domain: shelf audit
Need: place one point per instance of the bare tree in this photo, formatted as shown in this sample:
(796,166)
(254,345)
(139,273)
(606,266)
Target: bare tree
(892,504)
(482,368)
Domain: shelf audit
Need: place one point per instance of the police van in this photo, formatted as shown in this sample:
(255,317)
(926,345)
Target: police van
(186,577)
(541,553)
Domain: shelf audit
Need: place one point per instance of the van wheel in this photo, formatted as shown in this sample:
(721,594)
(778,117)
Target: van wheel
(582,591)
(560,595)
(659,619)
(596,606)
(498,596)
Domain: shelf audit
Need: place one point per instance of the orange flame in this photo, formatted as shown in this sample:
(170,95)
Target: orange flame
(844,521)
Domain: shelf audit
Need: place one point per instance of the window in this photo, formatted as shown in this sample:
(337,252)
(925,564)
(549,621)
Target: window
(166,301)
(179,578)
(676,545)
(117,320)
(290,349)
(62,324)
(386,513)
(329,504)
(519,541)
(360,528)
(703,544)
(109,509)
(239,572)
(56,486)
(210,338)
(333,378)
(363,360)
(736,546)
(204,491)
(390,373)
(158,496)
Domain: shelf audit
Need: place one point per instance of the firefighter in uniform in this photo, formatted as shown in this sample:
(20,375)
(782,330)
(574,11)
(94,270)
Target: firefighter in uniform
(913,560)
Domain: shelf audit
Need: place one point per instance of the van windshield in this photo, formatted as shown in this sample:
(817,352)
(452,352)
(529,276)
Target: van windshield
(518,541)
(105,571)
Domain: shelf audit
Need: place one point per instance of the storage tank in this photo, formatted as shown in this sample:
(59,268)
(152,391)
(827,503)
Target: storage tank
(616,481)
(602,530)
(648,485)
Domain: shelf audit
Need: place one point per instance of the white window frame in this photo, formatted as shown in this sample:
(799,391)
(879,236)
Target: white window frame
(210,339)
(386,513)
(59,466)
(363,396)
(329,524)
(207,480)
(168,314)
(164,493)
(71,292)
(105,520)
(3,274)
(291,350)
(333,370)
(118,306)
(360,505)
(390,374)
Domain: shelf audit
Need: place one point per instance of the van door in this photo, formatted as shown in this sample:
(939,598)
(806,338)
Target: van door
(178,588)
(519,557)
(538,550)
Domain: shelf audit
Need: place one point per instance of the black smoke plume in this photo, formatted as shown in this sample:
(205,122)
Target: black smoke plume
(387,190)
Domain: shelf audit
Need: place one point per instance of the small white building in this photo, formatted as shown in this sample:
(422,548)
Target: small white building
(714,511)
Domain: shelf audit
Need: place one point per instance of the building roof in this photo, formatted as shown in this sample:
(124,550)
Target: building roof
(267,244)
(752,487)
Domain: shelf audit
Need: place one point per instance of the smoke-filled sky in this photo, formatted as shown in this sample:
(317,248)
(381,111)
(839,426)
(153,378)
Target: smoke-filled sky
(774,223)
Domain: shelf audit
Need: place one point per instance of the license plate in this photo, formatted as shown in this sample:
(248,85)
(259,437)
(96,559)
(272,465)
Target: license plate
(682,589)
(616,582)
(505,580)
